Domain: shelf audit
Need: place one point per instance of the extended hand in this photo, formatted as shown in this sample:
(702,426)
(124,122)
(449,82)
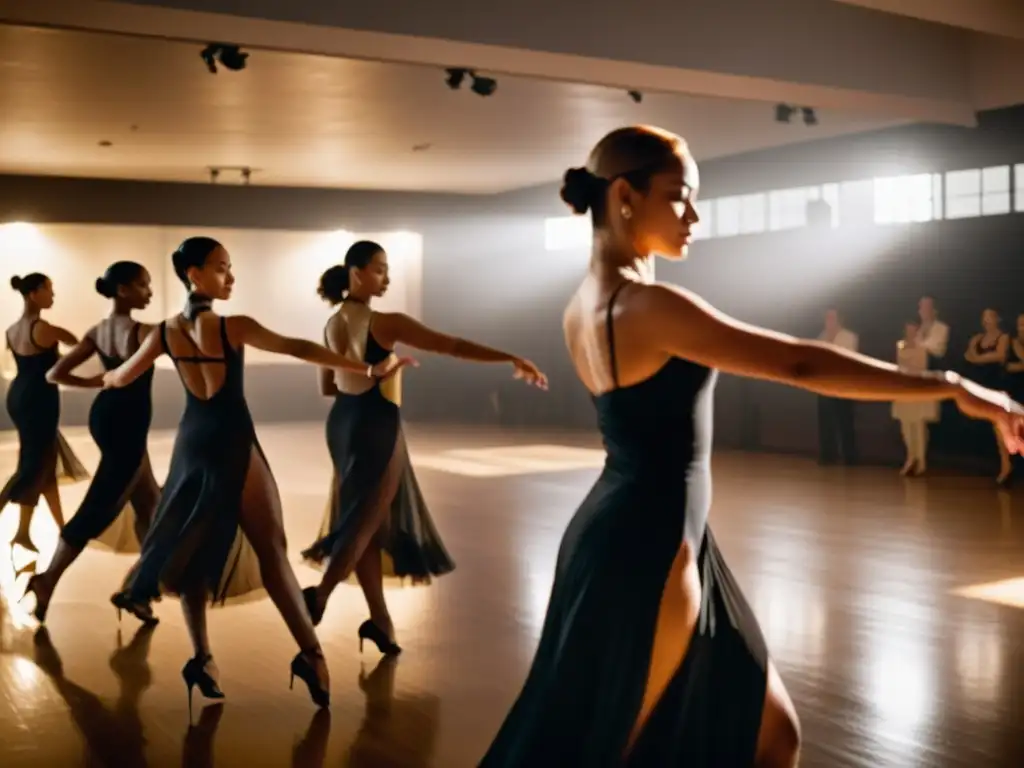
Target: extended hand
(1010,426)
(530,373)
(387,368)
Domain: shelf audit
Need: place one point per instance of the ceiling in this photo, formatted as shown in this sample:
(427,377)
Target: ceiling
(301,120)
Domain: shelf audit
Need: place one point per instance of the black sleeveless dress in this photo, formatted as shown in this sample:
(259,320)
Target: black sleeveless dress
(375,493)
(123,483)
(586,685)
(33,403)
(1014,380)
(195,536)
(991,375)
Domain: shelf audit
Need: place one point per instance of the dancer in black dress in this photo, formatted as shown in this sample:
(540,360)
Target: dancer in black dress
(1015,383)
(649,654)
(33,403)
(218,531)
(986,356)
(120,502)
(377,523)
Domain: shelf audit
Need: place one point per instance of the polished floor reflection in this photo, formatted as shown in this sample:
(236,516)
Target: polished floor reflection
(892,608)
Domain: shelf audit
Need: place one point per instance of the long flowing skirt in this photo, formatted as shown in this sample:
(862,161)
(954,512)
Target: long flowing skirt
(375,496)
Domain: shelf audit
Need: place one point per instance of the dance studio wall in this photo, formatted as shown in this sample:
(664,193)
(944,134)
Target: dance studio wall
(277,274)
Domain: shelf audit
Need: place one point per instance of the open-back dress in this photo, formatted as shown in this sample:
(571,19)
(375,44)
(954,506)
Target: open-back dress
(374,492)
(586,686)
(195,536)
(33,403)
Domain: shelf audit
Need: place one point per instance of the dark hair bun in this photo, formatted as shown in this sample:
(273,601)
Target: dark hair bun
(578,189)
(16,283)
(104,288)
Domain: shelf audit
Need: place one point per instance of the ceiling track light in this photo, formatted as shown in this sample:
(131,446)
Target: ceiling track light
(229,56)
(784,114)
(481,86)
(244,172)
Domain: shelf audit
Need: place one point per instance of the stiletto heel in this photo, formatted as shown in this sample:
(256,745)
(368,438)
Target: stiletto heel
(303,669)
(370,631)
(196,676)
(40,610)
(141,611)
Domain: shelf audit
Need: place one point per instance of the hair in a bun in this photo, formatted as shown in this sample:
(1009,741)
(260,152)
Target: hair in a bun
(578,189)
(28,283)
(119,273)
(334,283)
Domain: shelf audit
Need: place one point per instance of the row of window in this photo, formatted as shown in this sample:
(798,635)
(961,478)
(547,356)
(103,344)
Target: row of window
(894,200)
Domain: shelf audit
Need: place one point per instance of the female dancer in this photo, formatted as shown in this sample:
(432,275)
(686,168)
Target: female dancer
(649,653)
(1014,380)
(377,518)
(33,403)
(986,354)
(220,502)
(914,417)
(123,494)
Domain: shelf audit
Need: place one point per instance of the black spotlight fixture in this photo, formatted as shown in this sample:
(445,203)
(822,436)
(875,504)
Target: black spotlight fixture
(483,86)
(809,117)
(229,56)
(784,113)
(636,96)
(455,78)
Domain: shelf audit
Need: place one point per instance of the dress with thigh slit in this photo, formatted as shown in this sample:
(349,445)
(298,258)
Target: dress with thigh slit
(195,537)
(123,486)
(374,493)
(585,689)
(44,456)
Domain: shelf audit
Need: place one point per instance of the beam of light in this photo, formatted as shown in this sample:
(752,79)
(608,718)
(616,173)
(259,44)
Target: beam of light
(507,461)
(1009,592)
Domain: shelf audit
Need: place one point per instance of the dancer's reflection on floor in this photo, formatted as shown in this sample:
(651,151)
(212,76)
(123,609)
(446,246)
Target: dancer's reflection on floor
(197,751)
(311,750)
(397,731)
(112,736)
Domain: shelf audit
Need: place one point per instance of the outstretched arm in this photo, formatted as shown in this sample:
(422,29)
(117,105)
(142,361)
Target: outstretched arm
(137,364)
(63,371)
(687,327)
(396,328)
(252,333)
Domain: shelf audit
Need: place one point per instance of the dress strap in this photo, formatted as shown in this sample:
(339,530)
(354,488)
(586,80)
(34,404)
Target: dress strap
(32,336)
(610,331)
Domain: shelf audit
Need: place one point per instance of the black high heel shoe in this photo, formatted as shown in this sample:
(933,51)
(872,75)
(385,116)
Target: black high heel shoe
(316,613)
(195,675)
(40,610)
(304,669)
(141,611)
(370,631)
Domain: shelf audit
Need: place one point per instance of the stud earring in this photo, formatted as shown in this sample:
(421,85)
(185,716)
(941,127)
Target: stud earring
(627,212)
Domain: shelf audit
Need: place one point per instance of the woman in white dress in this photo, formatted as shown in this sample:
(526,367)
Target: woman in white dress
(914,417)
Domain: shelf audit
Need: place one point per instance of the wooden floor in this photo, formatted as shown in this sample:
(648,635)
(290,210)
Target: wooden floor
(890,607)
